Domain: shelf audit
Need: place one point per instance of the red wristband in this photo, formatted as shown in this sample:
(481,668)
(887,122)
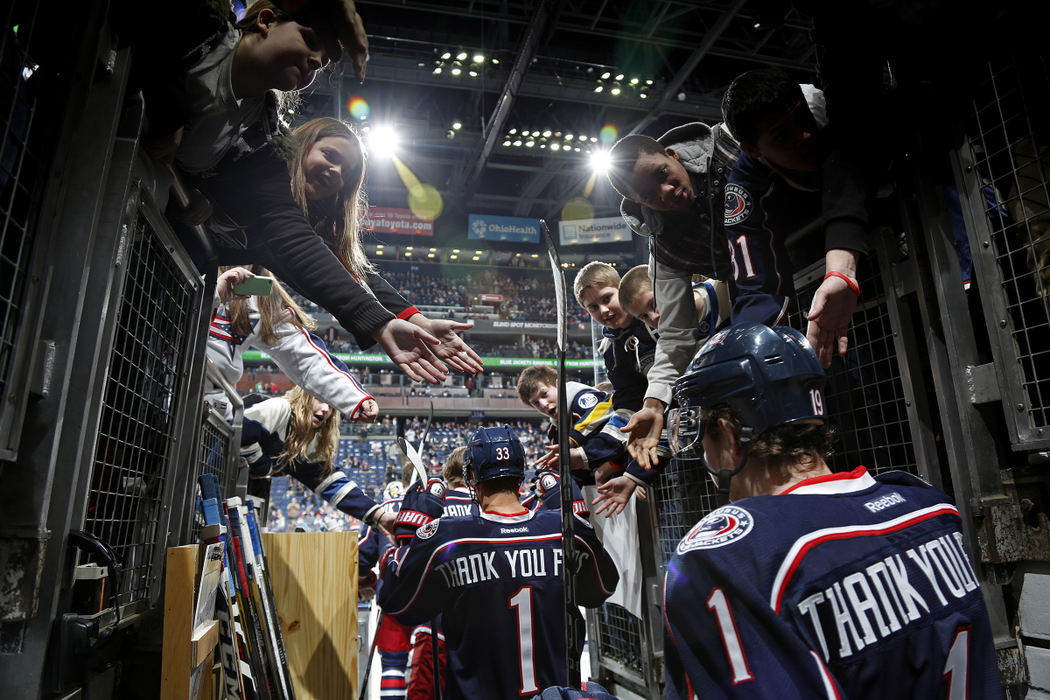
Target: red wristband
(848,280)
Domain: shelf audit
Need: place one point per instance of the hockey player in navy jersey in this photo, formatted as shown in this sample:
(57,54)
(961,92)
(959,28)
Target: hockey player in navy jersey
(496,576)
(810,584)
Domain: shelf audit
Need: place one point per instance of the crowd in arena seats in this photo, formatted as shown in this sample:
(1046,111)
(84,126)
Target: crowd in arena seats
(526,297)
(374,461)
(422,288)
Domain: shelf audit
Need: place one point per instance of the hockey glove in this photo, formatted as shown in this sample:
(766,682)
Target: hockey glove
(421,505)
(549,486)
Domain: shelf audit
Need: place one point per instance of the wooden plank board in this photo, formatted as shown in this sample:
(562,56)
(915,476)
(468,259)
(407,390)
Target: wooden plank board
(177,662)
(314,579)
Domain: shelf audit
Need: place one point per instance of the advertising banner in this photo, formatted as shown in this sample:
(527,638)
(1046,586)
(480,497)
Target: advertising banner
(402,221)
(483,227)
(609,229)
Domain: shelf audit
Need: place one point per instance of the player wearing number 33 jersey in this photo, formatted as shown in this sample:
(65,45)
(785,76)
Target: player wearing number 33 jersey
(497,577)
(810,584)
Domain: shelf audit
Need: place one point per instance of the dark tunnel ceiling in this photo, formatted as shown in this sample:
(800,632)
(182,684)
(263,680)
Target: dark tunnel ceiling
(549,59)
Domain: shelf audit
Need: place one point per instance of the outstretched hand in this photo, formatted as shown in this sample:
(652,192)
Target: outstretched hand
(411,349)
(615,494)
(833,306)
(368,412)
(453,349)
(643,435)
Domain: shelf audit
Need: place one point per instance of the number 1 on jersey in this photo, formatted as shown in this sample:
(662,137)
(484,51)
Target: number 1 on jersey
(522,603)
(730,639)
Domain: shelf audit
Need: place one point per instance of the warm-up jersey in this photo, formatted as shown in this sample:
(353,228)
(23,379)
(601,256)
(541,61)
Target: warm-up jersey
(846,586)
(628,354)
(498,581)
(764,207)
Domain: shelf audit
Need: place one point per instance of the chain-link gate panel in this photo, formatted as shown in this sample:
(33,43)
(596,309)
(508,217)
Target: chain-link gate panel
(137,429)
(215,455)
(865,394)
(1006,189)
(24,150)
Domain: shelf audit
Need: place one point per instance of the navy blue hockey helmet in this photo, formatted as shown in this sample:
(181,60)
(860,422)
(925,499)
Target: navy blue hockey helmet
(493,453)
(769,376)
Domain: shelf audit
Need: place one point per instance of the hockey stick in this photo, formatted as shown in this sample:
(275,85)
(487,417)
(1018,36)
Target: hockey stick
(371,654)
(263,569)
(568,544)
(226,605)
(426,428)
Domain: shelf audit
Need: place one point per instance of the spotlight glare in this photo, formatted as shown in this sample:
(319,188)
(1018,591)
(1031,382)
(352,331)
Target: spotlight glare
(462,55)
(594,139)
(456,71)
(506,143)
(643,95)
(615,91)
(620,76)
(382,142)
(495,61)
(530,143)
(473,74)
(649,81)
(513,131)
(518,142)
(546,133)
(599,88)
(555,147)
(525,132)
(568,137)
(445,56)
(457,125)
(437,71)
(605,75)
(478,58)
(600,161)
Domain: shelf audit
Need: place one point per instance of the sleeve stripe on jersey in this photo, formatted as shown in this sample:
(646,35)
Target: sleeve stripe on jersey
(829,683)
(804,544)
(341,493)
(216,332)
(594,415)
(329,480)
(328,358)
(466,540)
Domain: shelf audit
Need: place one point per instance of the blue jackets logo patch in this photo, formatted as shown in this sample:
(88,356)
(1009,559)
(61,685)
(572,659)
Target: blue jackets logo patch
(588,400)
(720,527)
(428,530)
(738,204)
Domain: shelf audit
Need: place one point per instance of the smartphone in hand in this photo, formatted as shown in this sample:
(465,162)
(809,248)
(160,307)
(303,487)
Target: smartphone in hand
(258,286)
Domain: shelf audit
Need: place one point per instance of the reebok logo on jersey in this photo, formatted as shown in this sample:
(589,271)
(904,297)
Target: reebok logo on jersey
(738,204)
(720,527)
(512,530)
(890,499)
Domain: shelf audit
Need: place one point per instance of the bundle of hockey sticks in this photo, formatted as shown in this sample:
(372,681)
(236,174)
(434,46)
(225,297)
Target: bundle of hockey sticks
(254,662)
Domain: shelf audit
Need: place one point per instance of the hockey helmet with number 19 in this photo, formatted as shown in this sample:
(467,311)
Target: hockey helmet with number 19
(768,376)
(493,453)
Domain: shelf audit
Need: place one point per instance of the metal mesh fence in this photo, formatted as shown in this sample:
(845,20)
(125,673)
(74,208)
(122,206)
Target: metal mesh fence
(619,637)
(865,394)
(213,457)
(1010,133)
(132,458)
(683,495)
(21,168)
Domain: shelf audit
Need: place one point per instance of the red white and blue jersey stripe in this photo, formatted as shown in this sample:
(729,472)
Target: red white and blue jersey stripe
(844,586)
(301,355)
(498,582)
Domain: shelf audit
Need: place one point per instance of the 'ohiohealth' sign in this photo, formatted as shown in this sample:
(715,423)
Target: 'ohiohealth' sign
(484,227)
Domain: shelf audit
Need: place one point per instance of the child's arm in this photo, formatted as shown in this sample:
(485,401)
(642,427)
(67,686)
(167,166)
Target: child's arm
(305,359)
(673,294)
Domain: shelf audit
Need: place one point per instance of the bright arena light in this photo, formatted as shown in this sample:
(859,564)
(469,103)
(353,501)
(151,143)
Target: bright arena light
(382,142)
(600,162)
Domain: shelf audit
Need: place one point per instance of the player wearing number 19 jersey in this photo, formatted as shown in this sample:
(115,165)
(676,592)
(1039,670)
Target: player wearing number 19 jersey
(496,576)
(810,584)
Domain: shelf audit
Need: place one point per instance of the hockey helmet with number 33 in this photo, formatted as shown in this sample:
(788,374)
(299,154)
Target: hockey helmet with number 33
(768,376)
(493,453)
